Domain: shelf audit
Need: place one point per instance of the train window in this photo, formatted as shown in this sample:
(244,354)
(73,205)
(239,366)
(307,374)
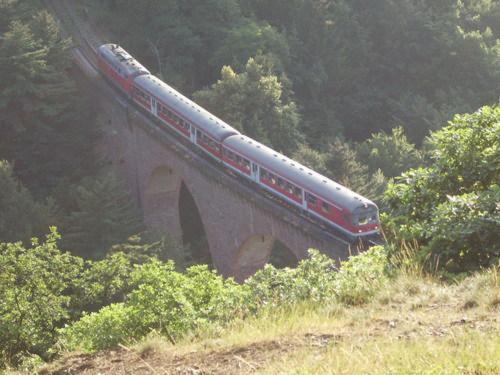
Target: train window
(325,207)
(297,192)
(311,199)
(246,163)
(363,220)
(281,183)
(263,174)
(254,167)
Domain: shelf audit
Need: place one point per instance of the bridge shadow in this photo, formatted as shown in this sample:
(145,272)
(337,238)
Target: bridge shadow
(259,250)
(281,256)
(193,232)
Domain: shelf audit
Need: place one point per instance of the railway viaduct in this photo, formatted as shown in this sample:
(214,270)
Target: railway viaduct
(183,194)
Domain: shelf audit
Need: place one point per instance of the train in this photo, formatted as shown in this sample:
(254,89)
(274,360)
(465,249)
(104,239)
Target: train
(317,196)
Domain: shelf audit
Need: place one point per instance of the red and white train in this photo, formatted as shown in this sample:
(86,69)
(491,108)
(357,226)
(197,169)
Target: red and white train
(314,194)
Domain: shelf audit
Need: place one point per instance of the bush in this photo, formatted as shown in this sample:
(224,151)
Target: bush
(311,280)
(110,326)
(451,208)
(34,296)
(361,276)
(161,300)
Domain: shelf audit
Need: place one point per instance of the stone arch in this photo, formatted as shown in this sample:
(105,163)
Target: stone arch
(254,253)
(193,230)
(281,256)
(160,203)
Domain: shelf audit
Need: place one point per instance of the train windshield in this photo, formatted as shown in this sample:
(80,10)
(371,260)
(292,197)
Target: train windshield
(365,215)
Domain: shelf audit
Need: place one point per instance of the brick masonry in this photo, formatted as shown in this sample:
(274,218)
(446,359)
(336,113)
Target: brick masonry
(240,224)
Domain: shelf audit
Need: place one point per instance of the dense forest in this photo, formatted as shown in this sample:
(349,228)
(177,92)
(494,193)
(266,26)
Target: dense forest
(397,100)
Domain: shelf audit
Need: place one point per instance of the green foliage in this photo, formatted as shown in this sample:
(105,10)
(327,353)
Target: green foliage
(21,217)
(47,129)
(34,295)
(257,103)
(314,280)
(362,276)
(103,214)
(110,326)
(392,153)
(102,283)
(311,280)
(108,280)
(451,208)
(162,300)
(364,69)
(249,40)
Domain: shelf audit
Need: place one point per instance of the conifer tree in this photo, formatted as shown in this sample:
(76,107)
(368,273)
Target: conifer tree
(20,216)
(103,215)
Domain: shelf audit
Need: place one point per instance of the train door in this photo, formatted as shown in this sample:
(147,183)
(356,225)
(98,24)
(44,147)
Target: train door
(154,106)
(255,172)
(192,133)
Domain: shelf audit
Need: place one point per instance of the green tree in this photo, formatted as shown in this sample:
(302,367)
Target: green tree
(451,207)
(21,216)
(391,153)
(47,128)
(108,281)
(248,40)
(34,296)
(103,214)
(257,103)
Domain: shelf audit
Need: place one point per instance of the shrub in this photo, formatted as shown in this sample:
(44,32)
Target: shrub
(163,300)
(361,276)
(110,326)
(34,296)
(311,280)
(451,208)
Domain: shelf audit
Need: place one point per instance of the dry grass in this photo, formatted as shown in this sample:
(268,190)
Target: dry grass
(416,324)
(469,352)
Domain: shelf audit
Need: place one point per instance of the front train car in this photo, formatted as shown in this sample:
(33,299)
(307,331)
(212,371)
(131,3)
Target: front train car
(320,197)
(119,66)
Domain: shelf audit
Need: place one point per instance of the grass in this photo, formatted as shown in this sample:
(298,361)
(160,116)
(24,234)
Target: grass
(415,324)
(469,352)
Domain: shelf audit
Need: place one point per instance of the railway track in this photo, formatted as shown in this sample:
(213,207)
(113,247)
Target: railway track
(84,53)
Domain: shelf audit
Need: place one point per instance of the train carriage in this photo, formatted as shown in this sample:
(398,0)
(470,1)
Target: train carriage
(119,66)
(182,114)
(301,186)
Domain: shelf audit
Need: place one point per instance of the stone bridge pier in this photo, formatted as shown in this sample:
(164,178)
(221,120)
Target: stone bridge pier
(182,194)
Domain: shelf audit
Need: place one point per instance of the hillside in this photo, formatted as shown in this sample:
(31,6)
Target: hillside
(414,325)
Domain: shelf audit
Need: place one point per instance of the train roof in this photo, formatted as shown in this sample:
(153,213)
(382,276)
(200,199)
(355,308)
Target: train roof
(186,108)
(118,57)
(297,173)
